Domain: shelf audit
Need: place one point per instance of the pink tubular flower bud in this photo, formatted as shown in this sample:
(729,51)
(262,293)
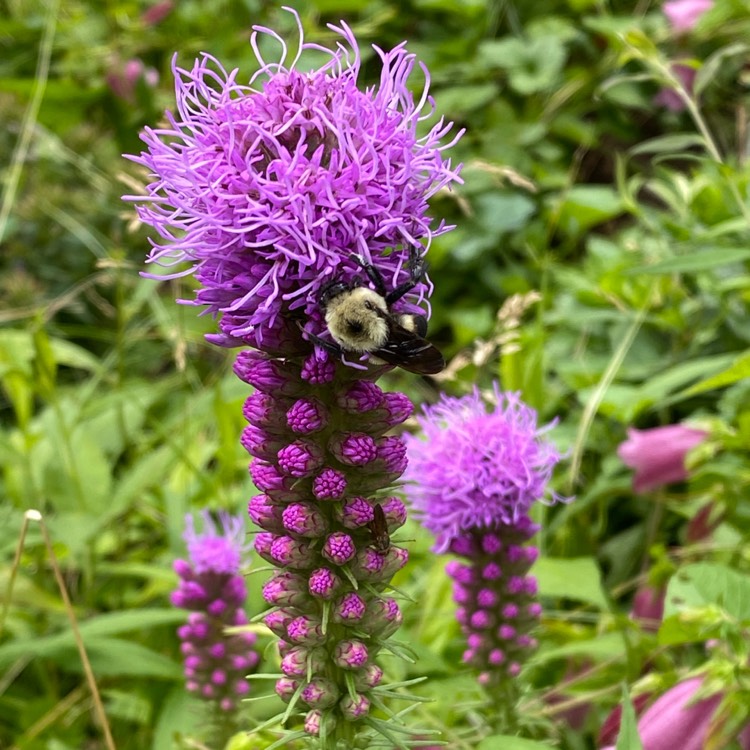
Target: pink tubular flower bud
(320,693)
(323,583)
(354,709)
(350,654)
(329,484)
(304,519)
(306,630)
(658,454)
(302,458)
(339,548)
(306,416)
(356,449)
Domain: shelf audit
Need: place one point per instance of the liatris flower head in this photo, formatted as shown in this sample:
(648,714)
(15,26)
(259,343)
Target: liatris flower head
(270,189)
(212,588)
(658,454)
(474,468)
(472,478)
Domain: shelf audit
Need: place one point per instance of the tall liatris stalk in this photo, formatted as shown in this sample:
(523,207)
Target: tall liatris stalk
(272,189)
(472,478)
(214,592)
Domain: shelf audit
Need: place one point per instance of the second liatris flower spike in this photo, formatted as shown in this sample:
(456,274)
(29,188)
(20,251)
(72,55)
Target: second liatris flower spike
(473,476)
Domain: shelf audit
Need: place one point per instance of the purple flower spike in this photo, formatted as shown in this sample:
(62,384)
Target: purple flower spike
(212,587)
(473,479)
(268,189)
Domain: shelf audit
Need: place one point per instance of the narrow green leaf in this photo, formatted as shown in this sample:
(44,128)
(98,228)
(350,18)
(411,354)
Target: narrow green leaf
(703,260)
(509,742)
(628,737)
(666,144)
(738,370)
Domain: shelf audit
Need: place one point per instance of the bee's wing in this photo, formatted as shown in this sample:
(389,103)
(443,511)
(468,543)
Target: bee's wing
(411,352)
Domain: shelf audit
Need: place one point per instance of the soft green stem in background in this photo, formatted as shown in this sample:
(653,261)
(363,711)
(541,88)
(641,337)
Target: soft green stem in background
(29,118)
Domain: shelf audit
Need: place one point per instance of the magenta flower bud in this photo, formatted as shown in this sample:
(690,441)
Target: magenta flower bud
(506,632)
(350,609)
(259,444)
(684,14)
(491,544)
(460,572)
(339,548)
(534,609)
(323,583)
(286,687)
(368,565)
(302,458)
(510,611)
(399,407)
(648,607)
(330,484)
(265,513)
(157,13)
(354,449)
(318,371)
(306,630)
(262,410)
(293,553)
(392,454)
(183,569)
(320,693)
(487,598)
(267,478)
(368,677)
(262,545)
(304,519)
(263,374)
(395,559)
(356,512)
(395,513)
(491,572)
(361,397)
(306,416)
(286,589)
(299,659)
(278,621)
(481,619)
(350,654)
(381,614)
(658,455)
(354,709)
(313,720)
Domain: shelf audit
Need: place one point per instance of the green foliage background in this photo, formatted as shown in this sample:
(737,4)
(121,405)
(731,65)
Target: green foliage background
(622,225)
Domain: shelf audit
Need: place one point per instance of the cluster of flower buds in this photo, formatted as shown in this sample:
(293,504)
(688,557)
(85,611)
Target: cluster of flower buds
(496,598)
(213,590)
(321,459)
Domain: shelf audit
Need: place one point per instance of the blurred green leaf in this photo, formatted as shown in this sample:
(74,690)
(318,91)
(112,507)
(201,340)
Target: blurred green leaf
(570,578)
(510,742)
(703,260)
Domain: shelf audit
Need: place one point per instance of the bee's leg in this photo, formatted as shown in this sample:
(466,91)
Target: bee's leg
(328,346)
(374,275)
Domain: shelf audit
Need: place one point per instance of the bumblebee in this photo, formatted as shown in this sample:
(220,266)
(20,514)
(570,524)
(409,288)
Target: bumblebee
(361,320)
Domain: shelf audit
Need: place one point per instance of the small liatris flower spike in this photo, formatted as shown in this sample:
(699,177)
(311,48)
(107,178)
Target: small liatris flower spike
(283,194)
(473,475)
(212,589)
